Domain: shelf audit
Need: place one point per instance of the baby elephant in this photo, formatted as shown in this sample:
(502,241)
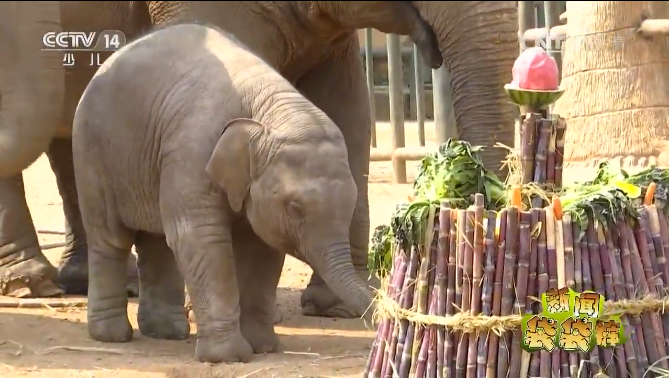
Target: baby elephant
(214,166)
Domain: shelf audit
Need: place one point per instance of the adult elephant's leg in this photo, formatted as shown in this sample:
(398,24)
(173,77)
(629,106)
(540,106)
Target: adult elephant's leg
(31,92)
(337,86)
(73,266)
(24,270)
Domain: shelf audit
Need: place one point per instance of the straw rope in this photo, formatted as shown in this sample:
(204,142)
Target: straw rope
(387,308)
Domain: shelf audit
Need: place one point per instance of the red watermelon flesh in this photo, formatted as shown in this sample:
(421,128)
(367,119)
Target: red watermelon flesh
(536,70)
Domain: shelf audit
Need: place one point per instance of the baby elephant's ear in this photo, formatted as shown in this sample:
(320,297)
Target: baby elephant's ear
(231,162)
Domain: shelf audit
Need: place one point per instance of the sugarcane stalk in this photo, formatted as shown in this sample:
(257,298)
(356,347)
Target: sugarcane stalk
(550,158)
(384,333)
(559,150)
(607,279)
(650,258)
(511,252)
(552,276)
(544,284)
(466,246)
(450,295)
(654,262)
(639,250)
(653,228)
(540,158)
(493,345)
(407,301)
(587,282)
(664,237)
(487,291)
(421,288)
(426,335)
(528,146)
(578,273)
(664,232)
(630,289)
(522,281)
(478,260)
(533,282)
(625,357)
(599,356)
(645,336)
(440,280)
(561,263)
(605,257)
(568,246)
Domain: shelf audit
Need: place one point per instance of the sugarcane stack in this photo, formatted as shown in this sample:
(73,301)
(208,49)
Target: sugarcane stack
(490,265)
(541,152)
(453,301)
(535,87)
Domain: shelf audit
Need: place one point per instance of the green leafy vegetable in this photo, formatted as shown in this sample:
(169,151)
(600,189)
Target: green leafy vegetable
(454,172)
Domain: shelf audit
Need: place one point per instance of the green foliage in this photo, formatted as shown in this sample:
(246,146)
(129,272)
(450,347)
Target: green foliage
(455,173)
(614,195)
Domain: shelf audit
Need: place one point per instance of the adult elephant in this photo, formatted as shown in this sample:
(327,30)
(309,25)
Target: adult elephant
(38,99)
(315,46)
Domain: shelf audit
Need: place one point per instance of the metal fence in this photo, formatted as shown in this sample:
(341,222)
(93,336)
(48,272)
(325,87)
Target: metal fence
(534,18)
(443,119)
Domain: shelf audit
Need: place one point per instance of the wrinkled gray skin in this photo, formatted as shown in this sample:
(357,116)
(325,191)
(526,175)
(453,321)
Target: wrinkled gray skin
(315,46)
(186,141)
(38,99)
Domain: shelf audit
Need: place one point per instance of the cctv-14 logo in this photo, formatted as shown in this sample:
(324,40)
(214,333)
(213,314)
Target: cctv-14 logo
(70,42)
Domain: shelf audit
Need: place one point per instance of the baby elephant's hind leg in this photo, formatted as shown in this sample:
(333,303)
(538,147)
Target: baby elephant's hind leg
(258,272)
(161,301)
(109,245)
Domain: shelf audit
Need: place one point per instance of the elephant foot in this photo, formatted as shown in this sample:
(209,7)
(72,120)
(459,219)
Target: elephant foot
(162,323)
(276,318)
(32,278)
(73,272)
(233,348)
(318,300)
(262,338)
(116,329)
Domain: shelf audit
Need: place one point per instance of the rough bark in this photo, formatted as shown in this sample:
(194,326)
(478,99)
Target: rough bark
(616,101)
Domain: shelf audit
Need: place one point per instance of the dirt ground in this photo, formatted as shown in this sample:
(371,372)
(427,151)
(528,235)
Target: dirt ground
(55,342)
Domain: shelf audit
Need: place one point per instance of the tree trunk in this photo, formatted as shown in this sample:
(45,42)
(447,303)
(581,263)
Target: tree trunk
(616,83)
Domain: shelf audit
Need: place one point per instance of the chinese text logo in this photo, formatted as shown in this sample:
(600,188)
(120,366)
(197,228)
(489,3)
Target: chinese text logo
(572,322)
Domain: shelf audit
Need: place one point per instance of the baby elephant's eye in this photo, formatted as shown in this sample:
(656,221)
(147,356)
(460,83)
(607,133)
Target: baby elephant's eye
(295,209)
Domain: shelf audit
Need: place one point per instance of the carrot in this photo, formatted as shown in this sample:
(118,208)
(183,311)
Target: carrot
(557,207)
(650,194)
(516,198)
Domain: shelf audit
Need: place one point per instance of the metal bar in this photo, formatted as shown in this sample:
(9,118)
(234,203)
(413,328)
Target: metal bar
(412,82)
(383,53)
(396,104)
(369,67)
(444,118)
(654,27)
(552,13)
(420,94)
(558,32)
(526,20)
(403,153)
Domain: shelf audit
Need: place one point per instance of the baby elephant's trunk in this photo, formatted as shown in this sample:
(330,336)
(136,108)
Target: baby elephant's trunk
(334,265)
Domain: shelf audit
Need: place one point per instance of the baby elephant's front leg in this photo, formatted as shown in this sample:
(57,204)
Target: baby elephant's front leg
(203,247)
(258,272)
